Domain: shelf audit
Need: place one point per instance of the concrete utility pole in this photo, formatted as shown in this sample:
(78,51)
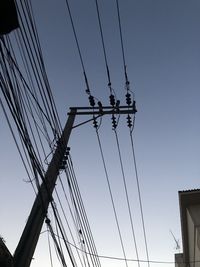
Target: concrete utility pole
(28,241)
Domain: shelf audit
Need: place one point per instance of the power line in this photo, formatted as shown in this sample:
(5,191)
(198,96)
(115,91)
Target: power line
(60,253)
(128,259)
(127,196)
(65,217)
(103,44)
(35,49)
(111,195)
(140,198)
(121,40)
(49,245)
(78,47)
(80,212)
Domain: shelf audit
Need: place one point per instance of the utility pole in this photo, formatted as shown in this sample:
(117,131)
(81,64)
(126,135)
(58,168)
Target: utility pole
(28,241)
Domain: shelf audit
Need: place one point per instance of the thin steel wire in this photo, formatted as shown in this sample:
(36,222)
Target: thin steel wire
(111,196)
(140,197)
(127,196)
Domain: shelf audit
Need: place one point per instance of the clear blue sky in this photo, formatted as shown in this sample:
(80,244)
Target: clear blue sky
(162,49)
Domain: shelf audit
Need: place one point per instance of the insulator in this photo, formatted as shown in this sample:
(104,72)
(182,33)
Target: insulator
(91,100)
(129,121)
(117,103)
(128,99)
(95,123)
(134,107)
(80,232)
(47,221)
(87,91)
(65,157)
(114,122)
(112,100)
(64,162)
(100,106)
(62,167)
(127,85)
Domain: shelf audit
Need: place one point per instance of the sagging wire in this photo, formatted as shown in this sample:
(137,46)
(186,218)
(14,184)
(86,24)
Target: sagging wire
(13,104)
(130,98)
(130,125)
(110,191)
(113,99)
(81,216)
(59,251)
(17,145)
(114,124)
(29,9)
(29,32)
(63,233)
(65,217)
(33,94)
(76,201)
(37,110)
(132,260)
(49,246)
(88,92)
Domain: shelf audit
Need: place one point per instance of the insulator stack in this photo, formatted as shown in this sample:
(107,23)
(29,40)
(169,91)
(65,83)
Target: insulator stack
(95,123)
(112,100)
(91,100)
(127,85)
(128,99)
(114,122)
(65,158)
(129,121)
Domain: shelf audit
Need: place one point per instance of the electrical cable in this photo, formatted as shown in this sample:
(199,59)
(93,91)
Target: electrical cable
(17,116)
(140,198)
(49,246)
(84,215)
(103,44)
(36,109)
(36,72)
(111,196)
(80,212)
(62,209)
(30,12)
(63,234)
(33,94)
(37,50)
(73,219)
(78,47)
(62,258)
(131,260)
(127,196)
(121,40)
(16,143)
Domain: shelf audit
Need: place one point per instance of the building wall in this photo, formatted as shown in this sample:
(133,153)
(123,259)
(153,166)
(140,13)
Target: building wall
(193,219)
